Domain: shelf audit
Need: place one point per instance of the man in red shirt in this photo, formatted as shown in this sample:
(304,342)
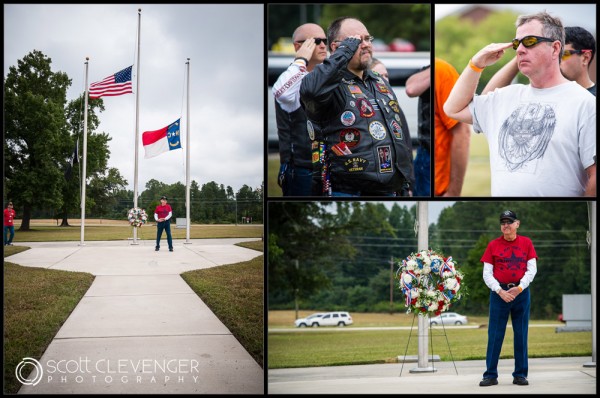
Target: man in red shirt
(9,225)
(162,215)
(509,266)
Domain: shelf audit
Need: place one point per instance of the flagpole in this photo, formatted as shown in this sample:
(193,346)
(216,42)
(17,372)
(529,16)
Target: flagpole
(84,172)
(137,124)
(187,159)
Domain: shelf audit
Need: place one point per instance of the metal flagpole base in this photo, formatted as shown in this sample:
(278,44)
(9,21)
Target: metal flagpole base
(81,244)
(589,365)
(188,243)
(429,369)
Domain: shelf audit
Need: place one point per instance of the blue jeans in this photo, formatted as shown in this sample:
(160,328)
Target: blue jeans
(422,166)
(297,181)
(10,229)
(165,225)
(519,313)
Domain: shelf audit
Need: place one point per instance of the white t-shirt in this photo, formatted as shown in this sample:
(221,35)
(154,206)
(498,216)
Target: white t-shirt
(541,140)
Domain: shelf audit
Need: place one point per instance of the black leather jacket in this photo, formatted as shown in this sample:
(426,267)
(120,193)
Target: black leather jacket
(363,114)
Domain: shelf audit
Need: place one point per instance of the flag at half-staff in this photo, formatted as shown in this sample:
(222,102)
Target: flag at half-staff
(113,85)
(163,140)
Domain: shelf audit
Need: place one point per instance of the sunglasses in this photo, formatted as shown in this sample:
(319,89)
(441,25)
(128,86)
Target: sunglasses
(366,39)
(318,41)
(567,53)
(530,41)
(505,222)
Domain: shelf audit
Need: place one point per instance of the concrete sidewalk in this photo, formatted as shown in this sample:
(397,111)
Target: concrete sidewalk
(140,328)
(546,376)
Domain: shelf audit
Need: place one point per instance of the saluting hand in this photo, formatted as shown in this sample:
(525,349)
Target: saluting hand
(490,54)
(307,48)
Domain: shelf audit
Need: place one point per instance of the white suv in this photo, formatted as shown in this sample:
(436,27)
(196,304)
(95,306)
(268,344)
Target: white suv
(310,320)
(334,319)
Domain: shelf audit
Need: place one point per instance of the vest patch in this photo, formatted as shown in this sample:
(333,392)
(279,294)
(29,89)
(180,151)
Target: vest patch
(377,130)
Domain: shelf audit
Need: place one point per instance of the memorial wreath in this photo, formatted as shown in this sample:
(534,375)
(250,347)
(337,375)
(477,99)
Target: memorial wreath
(137,217)
(430,283)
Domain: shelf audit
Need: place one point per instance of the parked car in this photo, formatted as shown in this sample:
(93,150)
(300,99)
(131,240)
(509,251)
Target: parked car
(334,319)
(449,318)
(284,45)
(379,45)
(401,45)
(310,320)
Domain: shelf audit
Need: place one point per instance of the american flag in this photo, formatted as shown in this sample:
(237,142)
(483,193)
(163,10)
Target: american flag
(117,84)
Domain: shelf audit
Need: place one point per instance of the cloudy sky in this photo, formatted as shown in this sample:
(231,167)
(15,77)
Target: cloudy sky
(225,44)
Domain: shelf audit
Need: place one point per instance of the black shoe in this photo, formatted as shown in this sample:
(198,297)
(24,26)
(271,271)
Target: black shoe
(488,382)
(171,249)
(156,249)
(520,381)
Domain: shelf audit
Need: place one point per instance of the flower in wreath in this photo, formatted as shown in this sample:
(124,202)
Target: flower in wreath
(137,217)
(429,282)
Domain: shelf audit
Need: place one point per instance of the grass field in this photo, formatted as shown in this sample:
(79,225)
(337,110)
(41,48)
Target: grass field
(333,346)
(477,177)
(46,231)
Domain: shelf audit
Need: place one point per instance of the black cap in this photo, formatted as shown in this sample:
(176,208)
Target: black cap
(508,214)
(163,197)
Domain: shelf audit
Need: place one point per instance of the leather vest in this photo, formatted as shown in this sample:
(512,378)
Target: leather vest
(370,126)
(294,143)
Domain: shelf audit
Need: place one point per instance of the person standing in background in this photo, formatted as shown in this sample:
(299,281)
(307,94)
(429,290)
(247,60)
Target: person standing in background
(162,215)
(9,224)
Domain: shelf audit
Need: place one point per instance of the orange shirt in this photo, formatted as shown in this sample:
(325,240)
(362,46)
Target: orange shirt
(445,77)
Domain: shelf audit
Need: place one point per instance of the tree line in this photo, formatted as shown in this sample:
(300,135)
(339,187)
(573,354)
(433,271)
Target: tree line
(40,165)
(336,256)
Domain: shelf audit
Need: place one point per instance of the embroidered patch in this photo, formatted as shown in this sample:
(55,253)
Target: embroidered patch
(356,165)
(377,130)
(352,104)
(385,159)
(348,118)
(350,137)
(396,129)
(365,108)
(382,88)
(311,130)
(394,105)
(354,89)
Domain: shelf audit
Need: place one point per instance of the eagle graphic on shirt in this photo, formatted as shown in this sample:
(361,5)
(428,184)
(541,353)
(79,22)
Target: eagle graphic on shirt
(525,134)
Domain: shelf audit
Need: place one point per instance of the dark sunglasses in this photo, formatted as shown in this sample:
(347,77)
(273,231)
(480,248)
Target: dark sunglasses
(567,53)
(529,41)
(506,222)
(318,41)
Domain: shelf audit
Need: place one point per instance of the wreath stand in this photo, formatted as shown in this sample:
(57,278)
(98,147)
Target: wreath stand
(432,369)
(133,232)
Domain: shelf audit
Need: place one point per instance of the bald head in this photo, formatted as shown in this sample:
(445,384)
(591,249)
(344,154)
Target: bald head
(307,30)
(310,31)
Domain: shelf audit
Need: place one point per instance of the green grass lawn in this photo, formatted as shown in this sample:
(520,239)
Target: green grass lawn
(272,171)
(477,177)
(38,301)
(330,348)
(123,232)
(36,304)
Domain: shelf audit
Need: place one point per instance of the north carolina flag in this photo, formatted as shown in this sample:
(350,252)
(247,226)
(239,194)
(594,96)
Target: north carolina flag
(163,140)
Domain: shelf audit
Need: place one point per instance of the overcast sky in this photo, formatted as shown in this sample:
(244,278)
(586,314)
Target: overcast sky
(583,15)
(225,44)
